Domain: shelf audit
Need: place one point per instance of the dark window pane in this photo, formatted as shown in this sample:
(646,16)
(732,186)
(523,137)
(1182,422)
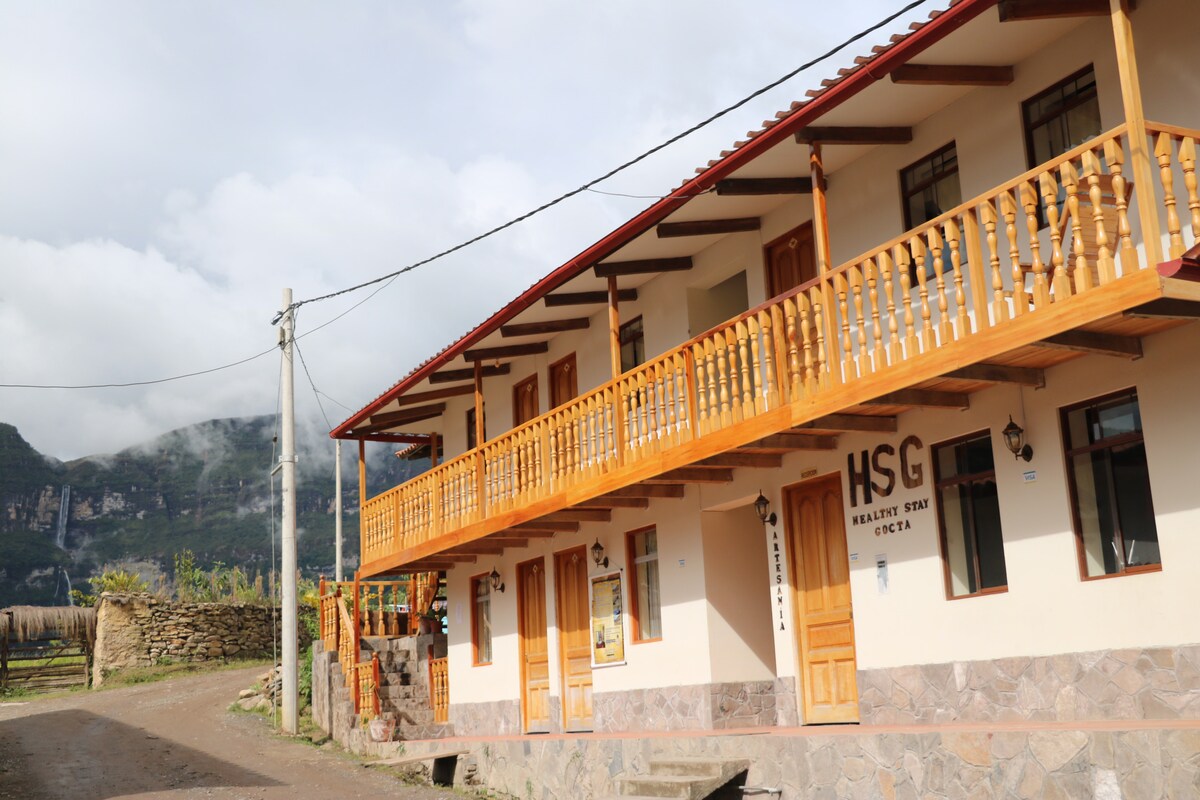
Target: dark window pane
(930,186)
(969,515)
(988,540)
(1131,482)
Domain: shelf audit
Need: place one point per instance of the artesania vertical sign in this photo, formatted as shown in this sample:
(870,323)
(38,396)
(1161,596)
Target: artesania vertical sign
(778,556)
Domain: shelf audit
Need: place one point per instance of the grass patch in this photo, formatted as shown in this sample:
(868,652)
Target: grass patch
(161,672)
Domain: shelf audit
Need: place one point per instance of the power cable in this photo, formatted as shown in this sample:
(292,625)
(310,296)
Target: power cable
(140,383)
(622,167)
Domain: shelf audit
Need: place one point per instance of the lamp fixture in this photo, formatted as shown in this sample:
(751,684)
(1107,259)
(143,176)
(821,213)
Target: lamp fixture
(598,554)
(1014,439)
(497,585)
(763,507)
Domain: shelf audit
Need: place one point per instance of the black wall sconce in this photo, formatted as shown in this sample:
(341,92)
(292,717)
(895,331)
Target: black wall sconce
(763,508)
(598,554)
(1014,439)
(497,584)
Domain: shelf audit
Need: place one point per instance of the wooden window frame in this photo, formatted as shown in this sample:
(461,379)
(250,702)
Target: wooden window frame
(1069,454)
(943,544)
(476,580)
(1027,126)
(631,565)
(917,189)
(623,339)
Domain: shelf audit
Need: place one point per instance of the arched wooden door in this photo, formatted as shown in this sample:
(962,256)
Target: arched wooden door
(534,652)
(820,568)
(574,637)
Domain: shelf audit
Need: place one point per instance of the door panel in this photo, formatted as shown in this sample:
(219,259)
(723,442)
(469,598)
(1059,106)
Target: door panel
(791,260)
(824,613)
(574,636)
(534,653)
(525,400)
(564,384)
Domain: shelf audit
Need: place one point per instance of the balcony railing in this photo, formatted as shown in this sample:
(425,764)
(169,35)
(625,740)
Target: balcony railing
(1037,243)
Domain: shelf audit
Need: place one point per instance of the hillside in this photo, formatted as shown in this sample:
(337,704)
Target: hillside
(204,488)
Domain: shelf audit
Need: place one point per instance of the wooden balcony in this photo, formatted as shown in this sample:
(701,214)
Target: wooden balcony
(1044,268)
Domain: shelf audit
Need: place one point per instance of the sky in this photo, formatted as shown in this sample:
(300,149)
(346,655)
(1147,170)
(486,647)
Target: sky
(166,169)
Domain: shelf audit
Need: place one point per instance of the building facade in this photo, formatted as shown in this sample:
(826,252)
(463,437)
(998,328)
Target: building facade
(882,417)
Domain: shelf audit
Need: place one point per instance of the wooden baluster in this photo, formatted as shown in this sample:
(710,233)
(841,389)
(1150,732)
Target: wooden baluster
(962,326)
(855,280)
(631,422)
(671,388)
(917,246)
(887,268)
(1058,272)
(1105,266)
(555,456)
(708,383)
(698,380)
(683,394)
(820,354)
(1008,210)
(846,354)
(746,407)
(989,217)
(938,263)
(612,418)
(539,481)
(1114,155)
(729,337)
(766,324)
(1187,160)
(654,387)
(1080,273)
(1162,152)
(975,272)
(719,363)
(903,261)
(878,360)
(754,399)
(1041,287)
(791,317)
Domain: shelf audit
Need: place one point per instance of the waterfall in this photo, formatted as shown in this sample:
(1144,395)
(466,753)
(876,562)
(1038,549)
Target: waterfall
(64,509)
(67,578)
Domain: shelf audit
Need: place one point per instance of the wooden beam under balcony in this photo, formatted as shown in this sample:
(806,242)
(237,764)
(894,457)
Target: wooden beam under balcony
(644,266)
(480,547)
(544,525)
(860,134)
(435,394)
(675,490)
(578,515)
(1000,373)
(850,422)
(455,375)
(1017,10)
(952,75)
(922,398)
(588,298)
(606,501)
(549,326)
(735,458)
(693,475)
(707,227)
(738,187)
(391,418)
(506,351)
(1166,308)
(1104,344)
(792,441)
(508,541)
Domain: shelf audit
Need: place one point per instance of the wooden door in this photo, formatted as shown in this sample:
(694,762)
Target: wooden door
(824,615)
(564,385)
(791,260)
(534,653)
(525,400)
(574,638)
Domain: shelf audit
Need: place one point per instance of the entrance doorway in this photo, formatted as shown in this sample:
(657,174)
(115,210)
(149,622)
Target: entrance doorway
(791,260)
(534,654)
(574,638)
(820,568)
(564,382)
(525,400)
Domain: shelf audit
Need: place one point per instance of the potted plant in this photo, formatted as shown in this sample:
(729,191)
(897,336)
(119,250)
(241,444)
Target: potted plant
(428,622)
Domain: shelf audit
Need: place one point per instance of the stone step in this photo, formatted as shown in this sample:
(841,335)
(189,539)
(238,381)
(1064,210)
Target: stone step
(688,767)
(677,786)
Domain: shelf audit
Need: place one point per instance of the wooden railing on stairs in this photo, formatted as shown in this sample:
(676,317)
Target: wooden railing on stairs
(439,689)
(981,266)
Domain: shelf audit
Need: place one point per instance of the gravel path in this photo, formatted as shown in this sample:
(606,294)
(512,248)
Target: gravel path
(172,739)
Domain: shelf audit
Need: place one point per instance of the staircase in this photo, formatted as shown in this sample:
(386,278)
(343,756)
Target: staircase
(686,779)
(404,691)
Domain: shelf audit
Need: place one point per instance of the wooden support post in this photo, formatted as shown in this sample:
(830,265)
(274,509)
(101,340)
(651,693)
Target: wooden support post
(480,467)
(356,628)
(1135,119)
(433,450)
(614,347)
(832,356)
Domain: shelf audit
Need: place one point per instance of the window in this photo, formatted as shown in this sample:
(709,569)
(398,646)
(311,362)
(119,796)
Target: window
(1065,115)
(969,516)
(481,619)
(930,187)
(1110,486)
(471,443)
(642,548)
(633,344)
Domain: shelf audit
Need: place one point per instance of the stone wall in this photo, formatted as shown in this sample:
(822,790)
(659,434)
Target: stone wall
(140,630)
(1135,684)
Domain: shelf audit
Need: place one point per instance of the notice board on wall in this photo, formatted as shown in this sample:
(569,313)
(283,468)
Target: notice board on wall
(608,619)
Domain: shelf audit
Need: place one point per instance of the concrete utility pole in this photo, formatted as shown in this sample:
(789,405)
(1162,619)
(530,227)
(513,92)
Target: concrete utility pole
(337,511)
(287,460)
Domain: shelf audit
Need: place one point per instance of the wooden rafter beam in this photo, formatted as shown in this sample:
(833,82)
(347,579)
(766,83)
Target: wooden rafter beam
(509,541)
(922,398)
(549,326)
(578,515)
(792,441)
(544,525)
(1166,308)
(693,475)
(390,418)
(1105,344)
(588,298)
(1000,373)
(645,266)
(952,75)
(434,564)
(649,490)
(735,458)
(455,375)
(614,502)
(1016,10)
(737,187)
(849,422)
(862,134)
(707,227)
(479,548)
(435,394)
(506,351)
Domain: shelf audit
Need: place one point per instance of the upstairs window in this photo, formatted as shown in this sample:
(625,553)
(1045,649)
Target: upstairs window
(481,620)
(633,344)
(471,442)
(969,516)
(647,605)
(1062,117)
(929,187)
(1110,486)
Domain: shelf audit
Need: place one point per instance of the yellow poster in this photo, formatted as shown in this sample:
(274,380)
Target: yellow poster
(608,626)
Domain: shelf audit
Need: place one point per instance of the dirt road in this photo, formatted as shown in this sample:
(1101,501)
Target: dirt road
(173,739)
